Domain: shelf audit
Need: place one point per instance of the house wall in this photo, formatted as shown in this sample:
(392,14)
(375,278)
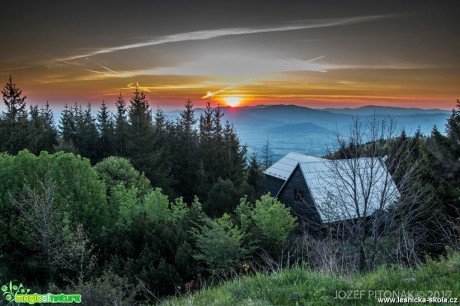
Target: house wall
(306,209)
(273,184)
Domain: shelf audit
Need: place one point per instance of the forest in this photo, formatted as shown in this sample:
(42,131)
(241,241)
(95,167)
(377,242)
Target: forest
(136,206)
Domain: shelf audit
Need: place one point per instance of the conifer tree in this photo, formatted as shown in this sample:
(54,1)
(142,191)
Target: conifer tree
(140,129)
(34,130)
(142,147)
(50,133)
(234,156)
(121,125)
(106,132)
(87,132)
(267,155)
(78,117)
(447,148)
(68,126)
(14,121)
(14,100)
(446,158)
(41,134)
(253,170)
(218,166)
(185,149)
(163,137)
(206,150)
(222,155)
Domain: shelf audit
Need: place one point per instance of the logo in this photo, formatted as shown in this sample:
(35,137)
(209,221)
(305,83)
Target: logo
(20,294)
(10,290)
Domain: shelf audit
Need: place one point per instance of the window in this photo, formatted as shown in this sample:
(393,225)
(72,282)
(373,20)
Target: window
(298,195)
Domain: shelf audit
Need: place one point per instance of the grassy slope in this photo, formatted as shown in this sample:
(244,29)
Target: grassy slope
(302,287)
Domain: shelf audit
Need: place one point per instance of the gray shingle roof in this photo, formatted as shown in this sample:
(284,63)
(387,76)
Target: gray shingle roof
(285,166)
(348,188)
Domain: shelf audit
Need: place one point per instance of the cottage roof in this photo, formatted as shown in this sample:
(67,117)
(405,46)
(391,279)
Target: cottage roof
(283,168)
(349,188)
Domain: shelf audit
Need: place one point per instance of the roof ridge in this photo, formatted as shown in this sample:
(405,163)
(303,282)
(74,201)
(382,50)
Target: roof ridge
(301,154)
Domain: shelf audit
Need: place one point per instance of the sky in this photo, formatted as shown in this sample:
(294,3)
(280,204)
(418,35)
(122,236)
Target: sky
(311,53)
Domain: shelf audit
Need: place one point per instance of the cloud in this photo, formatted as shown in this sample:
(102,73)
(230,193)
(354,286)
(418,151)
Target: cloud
(238,65)
(210,34)
(380,67)
(232,86)
(235,66)
(102,66)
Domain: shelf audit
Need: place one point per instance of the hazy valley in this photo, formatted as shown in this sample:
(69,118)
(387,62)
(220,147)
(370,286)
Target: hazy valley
(312,131)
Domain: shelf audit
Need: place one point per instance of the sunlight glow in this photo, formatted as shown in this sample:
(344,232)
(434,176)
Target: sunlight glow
(232,101)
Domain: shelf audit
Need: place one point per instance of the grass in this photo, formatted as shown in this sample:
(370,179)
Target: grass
(299,286)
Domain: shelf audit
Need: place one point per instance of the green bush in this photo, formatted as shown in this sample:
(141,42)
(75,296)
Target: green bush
(219,245)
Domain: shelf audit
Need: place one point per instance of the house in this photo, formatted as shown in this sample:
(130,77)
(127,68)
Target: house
(279,172)
(325,191)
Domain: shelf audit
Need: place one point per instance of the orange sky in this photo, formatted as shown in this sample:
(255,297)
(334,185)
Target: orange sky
(315,55)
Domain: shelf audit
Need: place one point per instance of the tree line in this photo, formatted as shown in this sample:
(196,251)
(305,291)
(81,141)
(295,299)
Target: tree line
(185,157)
(130,200)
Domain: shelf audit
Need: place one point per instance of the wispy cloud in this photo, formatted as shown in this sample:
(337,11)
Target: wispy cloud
(15,68)
(381,67)
(102,66)
(209,34)
(232,86)
(234,67)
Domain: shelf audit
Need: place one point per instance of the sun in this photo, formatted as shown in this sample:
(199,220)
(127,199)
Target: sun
(233,101)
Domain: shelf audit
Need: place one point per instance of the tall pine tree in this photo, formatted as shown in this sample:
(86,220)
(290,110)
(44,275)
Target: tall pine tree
(206,151)
(446,157)
(106,133)
(68,129)
(14,121)
(42,134)
(142,145)
(234,156)
(49,131)
(121,126)
(221,154)
(185,149)
(163,137)
(140,130)
(87,133)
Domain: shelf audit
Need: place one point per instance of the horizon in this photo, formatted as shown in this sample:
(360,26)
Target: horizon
(57,109)
(316,55)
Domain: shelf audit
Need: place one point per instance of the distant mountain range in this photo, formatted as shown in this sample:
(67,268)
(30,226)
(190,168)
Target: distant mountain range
(307,130)
(384,110)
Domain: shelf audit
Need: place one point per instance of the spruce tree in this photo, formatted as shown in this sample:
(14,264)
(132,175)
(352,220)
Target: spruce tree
(218,166)
(106,132)
(253,170)
(163,137)
(445,151)
(35,125)
(68,127)
(234,157)
(14,120)
(206,151)
(121,125)
(267,155)
(14,100)
(49,131)
(79,131)
(185,150)
(42,135)
(142,145)
(78,115)
(140,129)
